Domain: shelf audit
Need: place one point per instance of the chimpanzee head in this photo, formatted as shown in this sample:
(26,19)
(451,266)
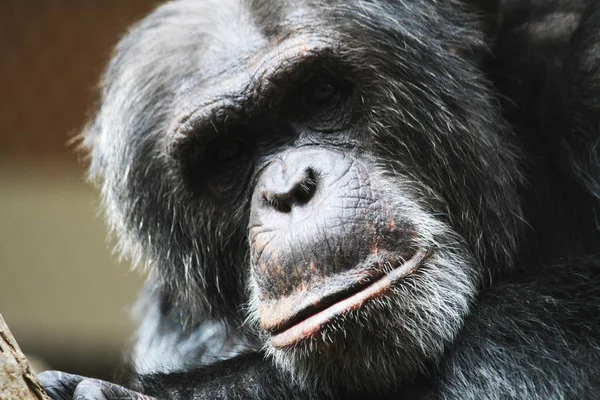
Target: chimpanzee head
(335,176)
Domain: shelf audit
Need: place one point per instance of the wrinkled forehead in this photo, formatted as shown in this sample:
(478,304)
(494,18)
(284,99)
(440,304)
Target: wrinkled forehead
(237,29)
(236,42)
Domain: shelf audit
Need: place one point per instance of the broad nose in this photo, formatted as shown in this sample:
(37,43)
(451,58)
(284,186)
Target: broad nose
(297,184)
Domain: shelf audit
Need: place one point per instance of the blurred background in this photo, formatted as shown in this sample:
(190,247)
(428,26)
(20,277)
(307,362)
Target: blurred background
(62,293)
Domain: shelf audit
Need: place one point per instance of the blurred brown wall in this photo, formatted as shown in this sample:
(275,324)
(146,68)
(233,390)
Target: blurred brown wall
(52,53)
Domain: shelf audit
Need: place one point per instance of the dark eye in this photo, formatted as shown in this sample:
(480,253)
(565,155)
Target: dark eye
(321,92)
(326,104)
(324,91)
(223,151)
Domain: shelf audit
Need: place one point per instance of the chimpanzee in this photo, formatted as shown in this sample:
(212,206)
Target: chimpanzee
(341,198)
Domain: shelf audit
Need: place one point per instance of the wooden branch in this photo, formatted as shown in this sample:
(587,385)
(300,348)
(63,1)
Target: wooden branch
(17,379)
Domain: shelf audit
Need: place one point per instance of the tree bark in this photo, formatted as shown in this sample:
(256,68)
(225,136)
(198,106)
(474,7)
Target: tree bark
(17,378)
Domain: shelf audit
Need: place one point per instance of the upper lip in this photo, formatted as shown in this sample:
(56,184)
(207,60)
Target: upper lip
(289,319)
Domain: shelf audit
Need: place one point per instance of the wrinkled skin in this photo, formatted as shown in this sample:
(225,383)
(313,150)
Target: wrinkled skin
(341,199)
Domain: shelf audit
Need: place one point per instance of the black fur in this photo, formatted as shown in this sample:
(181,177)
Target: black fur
(472,130)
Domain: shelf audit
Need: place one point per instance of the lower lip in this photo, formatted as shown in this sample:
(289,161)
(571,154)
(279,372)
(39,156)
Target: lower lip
(313,324)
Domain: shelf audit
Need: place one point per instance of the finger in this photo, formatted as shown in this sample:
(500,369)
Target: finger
(94,389)
(59,385)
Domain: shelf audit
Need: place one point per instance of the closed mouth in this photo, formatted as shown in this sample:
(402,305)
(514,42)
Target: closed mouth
(313,318)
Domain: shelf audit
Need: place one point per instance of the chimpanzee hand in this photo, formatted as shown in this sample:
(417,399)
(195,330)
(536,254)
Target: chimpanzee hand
(247,376)
(63,386)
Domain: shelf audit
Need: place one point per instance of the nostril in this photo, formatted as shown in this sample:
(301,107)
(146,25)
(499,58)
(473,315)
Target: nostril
(298,194)
(306,189)
(277,201)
